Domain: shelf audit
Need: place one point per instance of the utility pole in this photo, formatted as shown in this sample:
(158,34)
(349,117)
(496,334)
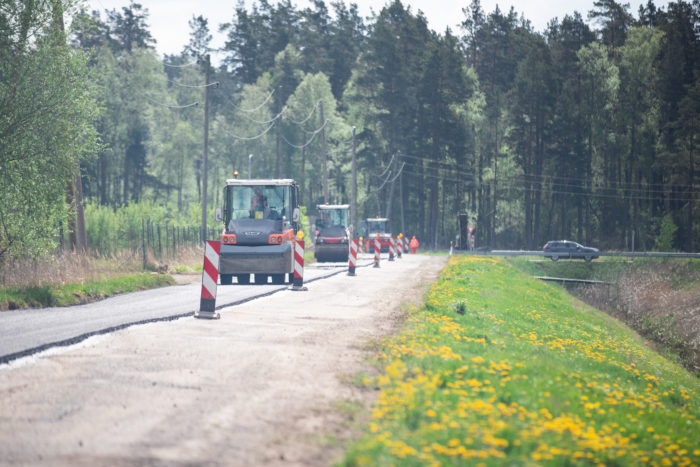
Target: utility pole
(323,149)
(205,150)
(353,204)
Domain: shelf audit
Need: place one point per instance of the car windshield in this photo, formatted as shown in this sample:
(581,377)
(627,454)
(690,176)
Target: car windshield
(332,218)
(376,226)
(257,202)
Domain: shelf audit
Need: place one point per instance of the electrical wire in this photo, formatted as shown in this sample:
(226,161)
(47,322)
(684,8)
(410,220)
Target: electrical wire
(186,65)
(269,96)
(554,180)
(170,106)
(387,167)
(310,139)
(399,173)
(273,119)
(545,178)
(215,84)
(313,109)
(421,172)
(251,138)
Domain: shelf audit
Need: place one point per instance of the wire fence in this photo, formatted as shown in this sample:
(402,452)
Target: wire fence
(150,240)
(164,240)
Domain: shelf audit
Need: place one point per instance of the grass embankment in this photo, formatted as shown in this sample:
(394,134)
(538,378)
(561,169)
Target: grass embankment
(657,297)
(681,273)
(12,298)
(502,369)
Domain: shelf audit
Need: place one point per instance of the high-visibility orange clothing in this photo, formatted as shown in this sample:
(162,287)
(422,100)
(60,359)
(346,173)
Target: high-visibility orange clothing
(414,244)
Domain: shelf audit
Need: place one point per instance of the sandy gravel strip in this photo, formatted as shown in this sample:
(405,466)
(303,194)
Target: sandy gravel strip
(266,384)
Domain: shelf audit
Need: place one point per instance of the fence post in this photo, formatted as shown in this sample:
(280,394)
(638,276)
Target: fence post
(143,241)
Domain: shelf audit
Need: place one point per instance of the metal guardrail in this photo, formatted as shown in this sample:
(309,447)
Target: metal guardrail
(572,281)
(625,254)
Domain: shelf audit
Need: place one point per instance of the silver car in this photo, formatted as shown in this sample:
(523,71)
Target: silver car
(556,249)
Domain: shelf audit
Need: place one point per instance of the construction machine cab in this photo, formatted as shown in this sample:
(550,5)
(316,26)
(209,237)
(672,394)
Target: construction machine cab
(261,218)
(332,233)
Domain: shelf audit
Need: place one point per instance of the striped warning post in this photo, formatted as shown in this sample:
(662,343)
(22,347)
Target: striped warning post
(352,259)
(405,244)
(298,283)
(391,248)
(377,251)
(399,241)
(210,274)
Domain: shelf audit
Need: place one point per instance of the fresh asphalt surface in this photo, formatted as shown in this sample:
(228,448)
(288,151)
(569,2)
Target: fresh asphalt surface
(25,332)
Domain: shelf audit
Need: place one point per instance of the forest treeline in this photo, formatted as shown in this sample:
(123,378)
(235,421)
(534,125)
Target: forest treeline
(585,131)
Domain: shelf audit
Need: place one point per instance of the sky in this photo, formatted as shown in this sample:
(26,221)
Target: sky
(168,19)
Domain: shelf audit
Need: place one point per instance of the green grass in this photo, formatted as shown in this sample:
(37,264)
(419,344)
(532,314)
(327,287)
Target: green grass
(683,273)
(72,294)
(499,368)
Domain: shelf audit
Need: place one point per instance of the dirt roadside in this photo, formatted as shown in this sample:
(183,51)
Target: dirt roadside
(267,384)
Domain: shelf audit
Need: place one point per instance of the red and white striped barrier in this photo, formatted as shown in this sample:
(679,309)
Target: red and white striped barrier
(377,251)
(391,248)
(399,242)
(298,282)
(352,258)
(210,274)
(405,244)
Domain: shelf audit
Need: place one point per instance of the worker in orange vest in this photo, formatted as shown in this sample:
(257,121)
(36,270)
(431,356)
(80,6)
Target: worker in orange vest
(414,245)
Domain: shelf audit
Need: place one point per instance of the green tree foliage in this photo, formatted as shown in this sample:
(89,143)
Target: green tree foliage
(200,38)
(129,28)
(47,106)
(667,231)
(582,132)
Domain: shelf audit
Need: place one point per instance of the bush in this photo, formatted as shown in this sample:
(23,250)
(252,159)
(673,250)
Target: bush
(667,232)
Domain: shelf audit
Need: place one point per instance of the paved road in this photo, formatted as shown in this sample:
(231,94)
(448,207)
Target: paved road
(267,385)
(25,332)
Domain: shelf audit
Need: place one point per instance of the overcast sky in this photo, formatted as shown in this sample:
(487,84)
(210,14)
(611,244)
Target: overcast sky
(168,18)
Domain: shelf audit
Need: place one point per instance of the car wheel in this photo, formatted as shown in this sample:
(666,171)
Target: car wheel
(554,257)
(261,279)
(243,279)
(587,258)
(226,279)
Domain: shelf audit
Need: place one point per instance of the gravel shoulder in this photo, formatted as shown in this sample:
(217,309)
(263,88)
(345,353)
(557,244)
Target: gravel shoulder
(267,384)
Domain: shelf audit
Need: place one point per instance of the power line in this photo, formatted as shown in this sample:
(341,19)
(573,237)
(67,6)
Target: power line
(182,85)
(162,104)
(186,65)
(273,119)
(544,189)
(313,109)
(554,180)
(251,138)
(269,96)
(317,131)
(399,173)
